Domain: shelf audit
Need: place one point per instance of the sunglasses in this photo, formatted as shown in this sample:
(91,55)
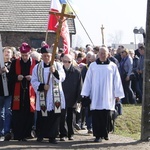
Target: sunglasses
(65,61)
(122,52)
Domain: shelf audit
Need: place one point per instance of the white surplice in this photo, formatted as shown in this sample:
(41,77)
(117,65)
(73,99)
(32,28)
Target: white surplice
(102,83)
(49,99)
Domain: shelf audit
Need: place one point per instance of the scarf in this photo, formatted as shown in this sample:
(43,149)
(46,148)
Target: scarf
(42,94)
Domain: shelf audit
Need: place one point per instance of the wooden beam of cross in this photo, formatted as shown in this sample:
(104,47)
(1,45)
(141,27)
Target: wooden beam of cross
(58,31)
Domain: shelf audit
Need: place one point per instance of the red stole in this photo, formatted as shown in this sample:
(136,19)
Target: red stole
(16,100)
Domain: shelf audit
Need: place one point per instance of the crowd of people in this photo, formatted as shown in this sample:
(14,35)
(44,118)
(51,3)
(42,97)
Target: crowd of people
(76,90)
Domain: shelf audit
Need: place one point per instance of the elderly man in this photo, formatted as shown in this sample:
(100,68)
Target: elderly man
(23,98)
(72,89)
(103,85)
(46,81)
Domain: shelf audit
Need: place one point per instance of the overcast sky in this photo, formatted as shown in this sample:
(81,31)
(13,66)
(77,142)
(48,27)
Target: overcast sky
(119,18)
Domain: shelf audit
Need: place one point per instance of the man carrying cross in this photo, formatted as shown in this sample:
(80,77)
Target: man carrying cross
(46,81)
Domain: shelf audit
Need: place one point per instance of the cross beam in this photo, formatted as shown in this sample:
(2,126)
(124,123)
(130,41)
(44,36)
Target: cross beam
(64,15)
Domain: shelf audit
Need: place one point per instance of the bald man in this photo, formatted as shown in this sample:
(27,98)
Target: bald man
(72,88)
(103,85)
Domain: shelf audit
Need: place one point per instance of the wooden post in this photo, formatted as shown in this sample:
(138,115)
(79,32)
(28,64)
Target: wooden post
(145,123)
(102,32)
(4,78)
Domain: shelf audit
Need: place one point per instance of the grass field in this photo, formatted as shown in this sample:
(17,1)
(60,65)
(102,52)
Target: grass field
(129,123)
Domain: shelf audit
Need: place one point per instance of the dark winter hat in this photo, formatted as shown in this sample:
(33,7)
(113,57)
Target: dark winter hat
(46,49)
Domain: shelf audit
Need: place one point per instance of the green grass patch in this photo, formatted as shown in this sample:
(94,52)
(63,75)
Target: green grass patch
(129,123)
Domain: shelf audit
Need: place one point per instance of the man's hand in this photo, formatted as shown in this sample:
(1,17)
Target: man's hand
(52,69)
(4,69)
(28,77)
(117,99)
(46,87)
(127,78)
(20,77)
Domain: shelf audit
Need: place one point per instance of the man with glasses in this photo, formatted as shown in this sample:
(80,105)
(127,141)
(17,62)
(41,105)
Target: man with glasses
(72,88)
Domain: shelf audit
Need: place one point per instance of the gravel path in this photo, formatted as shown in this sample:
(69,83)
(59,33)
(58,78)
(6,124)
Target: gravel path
(82,140)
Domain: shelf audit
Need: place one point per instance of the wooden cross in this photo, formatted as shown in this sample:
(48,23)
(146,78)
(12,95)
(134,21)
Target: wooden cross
(102,32)
(61,19)
(57,102)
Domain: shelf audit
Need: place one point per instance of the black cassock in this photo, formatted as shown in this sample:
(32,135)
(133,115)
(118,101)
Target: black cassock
(47,127)
(22,119)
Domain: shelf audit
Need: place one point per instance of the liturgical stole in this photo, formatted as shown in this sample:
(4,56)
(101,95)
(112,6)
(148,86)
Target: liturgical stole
(43,94)
(17,89)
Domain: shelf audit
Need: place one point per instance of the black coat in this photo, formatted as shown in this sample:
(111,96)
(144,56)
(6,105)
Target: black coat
(72,86)
(7,64)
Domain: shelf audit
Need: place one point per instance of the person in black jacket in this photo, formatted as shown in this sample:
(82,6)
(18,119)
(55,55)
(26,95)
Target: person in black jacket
(72,88)
(5,100)
(137,51)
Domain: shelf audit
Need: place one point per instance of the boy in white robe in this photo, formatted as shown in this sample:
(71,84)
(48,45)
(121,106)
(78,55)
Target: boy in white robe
(103,85)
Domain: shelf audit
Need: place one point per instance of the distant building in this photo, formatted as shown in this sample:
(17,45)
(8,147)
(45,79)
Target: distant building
(26,21)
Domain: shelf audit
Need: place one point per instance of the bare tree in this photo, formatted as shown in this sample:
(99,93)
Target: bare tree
(116,37)
(77,41)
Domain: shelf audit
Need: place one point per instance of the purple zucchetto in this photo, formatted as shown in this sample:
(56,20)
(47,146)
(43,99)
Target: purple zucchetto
(25,48)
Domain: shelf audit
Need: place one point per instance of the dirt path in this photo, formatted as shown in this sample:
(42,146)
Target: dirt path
(82,140)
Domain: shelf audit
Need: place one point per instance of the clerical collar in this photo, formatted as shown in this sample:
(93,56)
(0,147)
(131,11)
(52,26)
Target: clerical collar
(46,65)
(102,62)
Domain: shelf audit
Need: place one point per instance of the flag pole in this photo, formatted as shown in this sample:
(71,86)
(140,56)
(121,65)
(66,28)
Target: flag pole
(46,36)
(81,23)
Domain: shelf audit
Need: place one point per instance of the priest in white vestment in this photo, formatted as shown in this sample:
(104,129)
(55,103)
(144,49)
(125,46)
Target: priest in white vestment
(104,87)
(47,119)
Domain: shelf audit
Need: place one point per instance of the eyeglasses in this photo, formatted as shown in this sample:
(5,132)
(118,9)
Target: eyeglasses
(65,61)
(122,52)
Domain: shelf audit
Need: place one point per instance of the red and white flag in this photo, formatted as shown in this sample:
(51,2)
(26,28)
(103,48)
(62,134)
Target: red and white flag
(53,24)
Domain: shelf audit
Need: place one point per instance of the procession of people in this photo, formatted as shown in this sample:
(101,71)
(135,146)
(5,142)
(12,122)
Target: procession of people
(78,90)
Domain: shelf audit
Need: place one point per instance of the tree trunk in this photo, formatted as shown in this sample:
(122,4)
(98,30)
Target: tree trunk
(145,124)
